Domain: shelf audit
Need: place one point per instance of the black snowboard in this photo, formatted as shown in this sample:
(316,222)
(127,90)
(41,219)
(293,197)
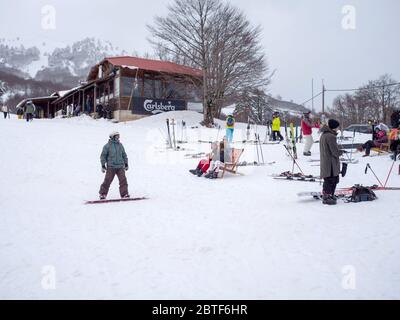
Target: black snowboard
(115,200)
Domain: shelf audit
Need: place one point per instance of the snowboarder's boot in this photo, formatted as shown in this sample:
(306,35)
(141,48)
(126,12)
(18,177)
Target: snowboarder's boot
(126,196)
(329,200)
(103,197)
(194,171)
(214,175)
(307,154)
(199,173)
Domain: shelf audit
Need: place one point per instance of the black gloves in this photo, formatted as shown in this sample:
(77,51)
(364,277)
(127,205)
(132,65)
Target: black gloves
(103,169)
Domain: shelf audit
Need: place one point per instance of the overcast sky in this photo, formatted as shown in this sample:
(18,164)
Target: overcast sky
(303,39)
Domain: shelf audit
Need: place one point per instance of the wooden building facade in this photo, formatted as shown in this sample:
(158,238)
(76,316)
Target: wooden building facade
(133,87)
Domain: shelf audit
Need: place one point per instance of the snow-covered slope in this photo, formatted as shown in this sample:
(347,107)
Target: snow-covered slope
(241,237)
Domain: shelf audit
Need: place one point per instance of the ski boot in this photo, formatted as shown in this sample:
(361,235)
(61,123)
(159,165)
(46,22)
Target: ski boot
(214,175)
(209,175)
(307,154)
(329,200)
(195,171)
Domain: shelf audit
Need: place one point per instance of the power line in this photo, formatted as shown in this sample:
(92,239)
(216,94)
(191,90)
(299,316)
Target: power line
(358,89)
(365,88)
(312,98)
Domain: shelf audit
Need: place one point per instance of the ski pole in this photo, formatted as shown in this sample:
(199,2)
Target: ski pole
(173,132)
(294,160)
(258,156)
(182,131)
(369,167)
(390,172)
(261,150)
(169,134)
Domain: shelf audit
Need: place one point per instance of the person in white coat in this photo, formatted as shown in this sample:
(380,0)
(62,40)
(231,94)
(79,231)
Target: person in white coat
(5,110)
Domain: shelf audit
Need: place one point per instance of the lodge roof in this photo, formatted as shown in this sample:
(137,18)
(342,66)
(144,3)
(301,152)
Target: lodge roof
(154,65)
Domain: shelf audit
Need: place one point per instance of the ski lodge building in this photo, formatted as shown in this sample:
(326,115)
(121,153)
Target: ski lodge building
(131,88)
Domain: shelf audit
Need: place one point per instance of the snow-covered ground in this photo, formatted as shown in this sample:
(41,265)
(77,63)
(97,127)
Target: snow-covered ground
(241,237)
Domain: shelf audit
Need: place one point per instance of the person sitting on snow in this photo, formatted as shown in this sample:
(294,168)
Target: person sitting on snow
(204,164)
(380,138)
(224,155)
(114,161)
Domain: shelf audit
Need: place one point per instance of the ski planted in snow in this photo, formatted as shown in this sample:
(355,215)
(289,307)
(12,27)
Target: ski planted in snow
(173,133)
(293,138)
(169,134)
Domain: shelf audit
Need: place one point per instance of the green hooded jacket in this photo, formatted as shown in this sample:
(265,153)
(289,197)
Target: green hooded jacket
(30,108)
(114,155)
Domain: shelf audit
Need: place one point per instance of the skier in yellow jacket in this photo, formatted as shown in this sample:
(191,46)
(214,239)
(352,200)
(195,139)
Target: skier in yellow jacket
(276,127)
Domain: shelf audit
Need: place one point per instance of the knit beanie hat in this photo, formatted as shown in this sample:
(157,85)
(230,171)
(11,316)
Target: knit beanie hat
(333,124)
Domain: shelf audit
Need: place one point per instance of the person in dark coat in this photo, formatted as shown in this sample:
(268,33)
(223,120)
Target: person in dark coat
(330,161)
(99,111)
(114,161)
(395,119)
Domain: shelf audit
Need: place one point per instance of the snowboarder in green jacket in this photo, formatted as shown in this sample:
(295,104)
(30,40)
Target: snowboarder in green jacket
(114,161)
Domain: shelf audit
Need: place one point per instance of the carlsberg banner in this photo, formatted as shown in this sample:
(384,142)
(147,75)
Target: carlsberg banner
(147,106)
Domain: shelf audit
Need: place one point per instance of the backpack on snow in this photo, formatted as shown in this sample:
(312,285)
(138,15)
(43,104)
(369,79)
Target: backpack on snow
(361,193)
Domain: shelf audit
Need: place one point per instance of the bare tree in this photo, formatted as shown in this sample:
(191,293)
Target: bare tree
(373,101)
(253,106)
(215,37)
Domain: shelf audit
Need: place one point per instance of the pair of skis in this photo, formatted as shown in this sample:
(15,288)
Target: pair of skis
(255,163)
(345,192)
(289,176)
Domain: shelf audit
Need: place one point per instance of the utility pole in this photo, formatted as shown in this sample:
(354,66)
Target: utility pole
(323,97)
(323,117)
(383,104)
(312,94)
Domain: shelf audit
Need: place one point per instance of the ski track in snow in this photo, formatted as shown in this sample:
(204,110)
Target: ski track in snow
(241,237)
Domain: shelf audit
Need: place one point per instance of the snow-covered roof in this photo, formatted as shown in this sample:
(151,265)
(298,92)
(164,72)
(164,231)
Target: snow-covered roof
(21,103)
